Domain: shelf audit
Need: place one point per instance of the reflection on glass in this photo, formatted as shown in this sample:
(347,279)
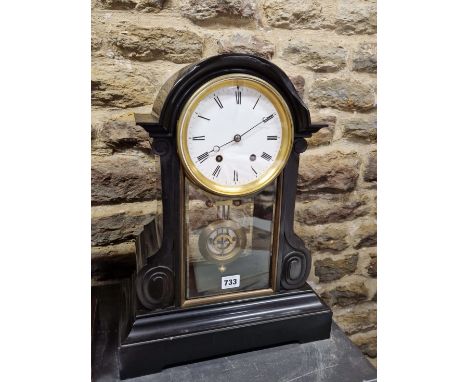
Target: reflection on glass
(229,244)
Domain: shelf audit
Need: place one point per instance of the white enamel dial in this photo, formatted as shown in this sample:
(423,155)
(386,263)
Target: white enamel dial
(234,135)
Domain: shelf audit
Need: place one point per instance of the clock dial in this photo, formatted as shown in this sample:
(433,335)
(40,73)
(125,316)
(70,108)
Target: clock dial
(235,135)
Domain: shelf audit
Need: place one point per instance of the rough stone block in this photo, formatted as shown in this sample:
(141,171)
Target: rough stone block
(343,94)
(294,14)
(123,135)
(149,44)
(330,237)
(360,129)
(124,178)
(370,171)
(330,269)
(356,17)
(365,58)
(331,172)
(140,5)
(96,42)
(118,4)
(364,234)
(315,56)
(150,5)
(117,228)
(372,267)
(358,318)
(246,43)
(346,294)
(367,342)
(208,10)
(119,84)
(336,208)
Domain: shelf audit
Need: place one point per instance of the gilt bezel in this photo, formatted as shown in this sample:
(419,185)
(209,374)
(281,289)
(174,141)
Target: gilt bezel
(277,166)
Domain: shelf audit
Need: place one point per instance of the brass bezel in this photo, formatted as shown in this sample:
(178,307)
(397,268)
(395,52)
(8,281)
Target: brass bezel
(284,114)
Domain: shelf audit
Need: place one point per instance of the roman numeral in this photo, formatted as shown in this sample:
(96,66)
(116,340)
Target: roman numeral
(266,156)
(216,171)
(266,119)
(238,96)
(272,138)
(203,157)
(236,176)
(256,102)
(218,101)
(201,116)
(254,170)
(199,138)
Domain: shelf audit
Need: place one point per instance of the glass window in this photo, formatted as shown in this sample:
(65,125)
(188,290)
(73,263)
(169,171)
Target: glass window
(229,246)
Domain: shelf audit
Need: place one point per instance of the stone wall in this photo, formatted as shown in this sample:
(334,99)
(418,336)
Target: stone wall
(327,47)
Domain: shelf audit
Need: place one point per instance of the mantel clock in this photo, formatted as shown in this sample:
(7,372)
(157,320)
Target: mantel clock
(230,273)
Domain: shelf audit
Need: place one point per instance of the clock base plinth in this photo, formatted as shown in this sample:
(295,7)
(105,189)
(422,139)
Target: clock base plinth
(176,336)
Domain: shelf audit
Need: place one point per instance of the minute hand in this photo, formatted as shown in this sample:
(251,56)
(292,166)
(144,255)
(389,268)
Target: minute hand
(264,120)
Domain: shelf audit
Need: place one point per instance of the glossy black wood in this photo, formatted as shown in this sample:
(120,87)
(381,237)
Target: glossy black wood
(292,250)
(332,360)
(158,281)
(155,330)
(177,336)
(154,280)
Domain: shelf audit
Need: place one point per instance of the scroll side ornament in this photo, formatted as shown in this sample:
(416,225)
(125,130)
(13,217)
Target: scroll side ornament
(297,260)
(155,282)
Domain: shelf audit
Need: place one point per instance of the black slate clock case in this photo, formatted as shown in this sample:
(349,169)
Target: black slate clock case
(155,331)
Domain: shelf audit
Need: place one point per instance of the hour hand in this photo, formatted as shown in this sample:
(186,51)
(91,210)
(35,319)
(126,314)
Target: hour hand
(203,157)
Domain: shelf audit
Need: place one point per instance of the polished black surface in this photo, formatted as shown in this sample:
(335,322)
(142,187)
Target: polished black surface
(158,281)
(332,360)
(165,338)
(155,332)
(196,320)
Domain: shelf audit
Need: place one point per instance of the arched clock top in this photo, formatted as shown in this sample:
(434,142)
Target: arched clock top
(177,90)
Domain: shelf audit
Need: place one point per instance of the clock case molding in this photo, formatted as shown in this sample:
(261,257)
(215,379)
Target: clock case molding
(155,330)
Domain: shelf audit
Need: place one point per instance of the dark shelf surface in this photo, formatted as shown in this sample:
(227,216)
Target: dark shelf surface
(335,359)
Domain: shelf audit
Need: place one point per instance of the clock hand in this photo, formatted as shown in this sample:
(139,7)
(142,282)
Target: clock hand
(217,148)
(238,137)
(232,140)
(264,120)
